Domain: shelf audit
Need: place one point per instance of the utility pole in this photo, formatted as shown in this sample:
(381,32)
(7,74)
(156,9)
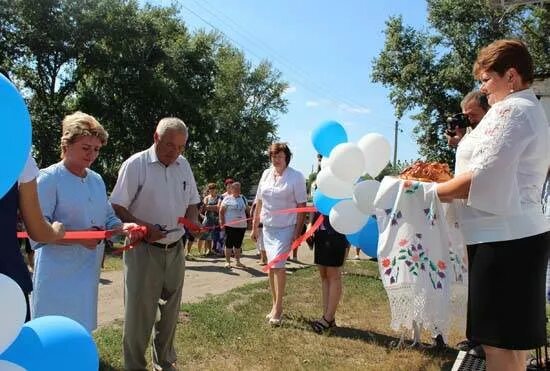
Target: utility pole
(395,144)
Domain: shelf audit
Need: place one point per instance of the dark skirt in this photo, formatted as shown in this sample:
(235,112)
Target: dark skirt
(330,249)
(506,292)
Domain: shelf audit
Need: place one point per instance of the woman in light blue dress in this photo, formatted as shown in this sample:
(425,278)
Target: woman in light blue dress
(66,274)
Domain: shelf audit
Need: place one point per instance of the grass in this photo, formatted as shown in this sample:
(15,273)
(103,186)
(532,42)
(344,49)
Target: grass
(229,331)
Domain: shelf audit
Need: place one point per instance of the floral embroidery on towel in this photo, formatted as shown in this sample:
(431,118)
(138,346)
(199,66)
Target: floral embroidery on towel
(412,256)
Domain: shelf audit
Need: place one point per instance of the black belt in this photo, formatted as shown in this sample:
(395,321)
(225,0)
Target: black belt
(165,245)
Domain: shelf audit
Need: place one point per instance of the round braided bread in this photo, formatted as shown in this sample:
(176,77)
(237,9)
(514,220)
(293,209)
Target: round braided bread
(427,172)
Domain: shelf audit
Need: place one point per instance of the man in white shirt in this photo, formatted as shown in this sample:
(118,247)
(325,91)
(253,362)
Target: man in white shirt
(154,188)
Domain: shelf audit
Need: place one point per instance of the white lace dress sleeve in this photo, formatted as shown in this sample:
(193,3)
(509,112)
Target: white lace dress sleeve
(501,140)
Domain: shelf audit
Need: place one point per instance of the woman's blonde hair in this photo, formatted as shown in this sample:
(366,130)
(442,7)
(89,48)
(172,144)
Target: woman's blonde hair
(81,124)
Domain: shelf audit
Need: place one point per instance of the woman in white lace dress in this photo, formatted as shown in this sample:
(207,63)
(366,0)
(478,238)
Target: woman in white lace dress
(500,170)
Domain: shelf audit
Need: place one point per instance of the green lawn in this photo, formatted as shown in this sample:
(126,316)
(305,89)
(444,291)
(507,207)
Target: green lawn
(230,332)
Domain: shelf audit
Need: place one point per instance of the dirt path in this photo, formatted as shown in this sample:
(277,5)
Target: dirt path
(203,276)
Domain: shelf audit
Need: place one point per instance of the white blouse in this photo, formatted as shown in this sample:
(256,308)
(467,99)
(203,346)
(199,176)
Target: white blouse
(508,153)
(279,193)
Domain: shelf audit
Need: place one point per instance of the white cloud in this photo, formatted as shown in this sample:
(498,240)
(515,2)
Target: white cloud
(290,89)
(312,103)
(340,106)
(353,109)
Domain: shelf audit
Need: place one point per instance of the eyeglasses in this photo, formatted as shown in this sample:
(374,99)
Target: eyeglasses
(279,155)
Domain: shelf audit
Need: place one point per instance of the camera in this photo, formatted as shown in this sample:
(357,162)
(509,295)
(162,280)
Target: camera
(458,120)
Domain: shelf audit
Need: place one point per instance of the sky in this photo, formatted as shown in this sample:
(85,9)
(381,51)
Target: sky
(324,50)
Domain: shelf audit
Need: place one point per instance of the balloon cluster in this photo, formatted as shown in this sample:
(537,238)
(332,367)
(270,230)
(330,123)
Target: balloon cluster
(341,194)
(46,343)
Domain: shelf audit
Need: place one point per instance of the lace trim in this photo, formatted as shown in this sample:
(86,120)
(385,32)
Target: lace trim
(498,134)
(407,306)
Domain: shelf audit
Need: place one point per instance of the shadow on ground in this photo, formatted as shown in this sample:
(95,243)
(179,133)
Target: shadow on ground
(386,341)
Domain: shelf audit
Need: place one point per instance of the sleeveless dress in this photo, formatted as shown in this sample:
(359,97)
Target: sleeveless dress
(211,219)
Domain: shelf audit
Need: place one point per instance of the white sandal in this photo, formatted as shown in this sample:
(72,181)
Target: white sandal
(276,321)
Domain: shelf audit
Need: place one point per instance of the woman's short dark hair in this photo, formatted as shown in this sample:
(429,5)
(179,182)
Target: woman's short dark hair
(280,147)
(501,55)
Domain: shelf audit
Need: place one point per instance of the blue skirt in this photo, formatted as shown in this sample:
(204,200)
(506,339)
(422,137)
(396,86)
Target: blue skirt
(277,241)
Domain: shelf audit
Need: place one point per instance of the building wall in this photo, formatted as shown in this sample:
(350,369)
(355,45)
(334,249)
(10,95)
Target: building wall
(541,87)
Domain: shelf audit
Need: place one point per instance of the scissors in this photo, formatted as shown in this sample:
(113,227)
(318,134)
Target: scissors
(167,231)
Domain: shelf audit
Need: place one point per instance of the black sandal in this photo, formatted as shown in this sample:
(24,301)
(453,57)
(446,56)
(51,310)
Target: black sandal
(322,325)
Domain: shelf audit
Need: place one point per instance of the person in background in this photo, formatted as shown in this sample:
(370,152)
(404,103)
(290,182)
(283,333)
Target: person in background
(233,210)
(154,188)
(357,253)
(211,218)
(189,242)
(66,274)
(280,187)
(259,242)
(227,183)
(220,246)
(295,251)
(474,105)
(330,250)
(500,170)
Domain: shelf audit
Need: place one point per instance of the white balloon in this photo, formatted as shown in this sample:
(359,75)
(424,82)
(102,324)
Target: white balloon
(364,194)
(331,186)
(325,162)
(376,150)
(8,366)
(12,311)
(346,218)
(347,162)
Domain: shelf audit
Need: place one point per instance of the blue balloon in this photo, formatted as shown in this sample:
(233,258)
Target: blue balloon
(367,238)
(15,141)
(53,343)
(324,203)
(327,136)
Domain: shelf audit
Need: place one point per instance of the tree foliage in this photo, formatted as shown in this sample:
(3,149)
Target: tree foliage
(429,71)
(129,66)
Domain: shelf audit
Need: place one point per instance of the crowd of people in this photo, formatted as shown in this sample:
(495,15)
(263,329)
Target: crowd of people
(502,163)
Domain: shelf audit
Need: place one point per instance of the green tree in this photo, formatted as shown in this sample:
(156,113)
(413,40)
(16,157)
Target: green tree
(243,113)
(42,43)
(428,72)
(129,66)
(144,69)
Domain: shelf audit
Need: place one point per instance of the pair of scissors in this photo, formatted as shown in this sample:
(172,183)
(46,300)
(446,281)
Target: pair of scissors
(167,231)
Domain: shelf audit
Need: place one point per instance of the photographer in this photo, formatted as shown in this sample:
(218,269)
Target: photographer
(474,106)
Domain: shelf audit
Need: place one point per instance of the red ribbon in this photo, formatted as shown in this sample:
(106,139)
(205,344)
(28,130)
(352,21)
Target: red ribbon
(100,235)
(80,235)
(198,229)
(306,209)
(96,235)
(295,244)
